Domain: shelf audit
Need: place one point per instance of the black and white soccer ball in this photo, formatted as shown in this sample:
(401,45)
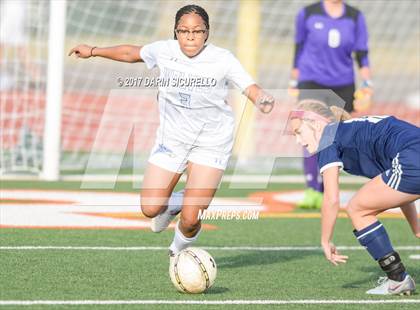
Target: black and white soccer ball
(193,270)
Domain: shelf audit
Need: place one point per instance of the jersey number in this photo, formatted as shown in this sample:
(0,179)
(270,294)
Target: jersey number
(185,100)
(334,38)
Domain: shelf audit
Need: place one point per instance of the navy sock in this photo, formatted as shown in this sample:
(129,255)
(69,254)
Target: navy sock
(376,240)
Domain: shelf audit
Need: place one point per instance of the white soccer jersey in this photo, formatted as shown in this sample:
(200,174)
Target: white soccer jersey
(192,92)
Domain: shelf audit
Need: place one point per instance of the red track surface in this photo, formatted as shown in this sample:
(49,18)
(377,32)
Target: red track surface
(128,120)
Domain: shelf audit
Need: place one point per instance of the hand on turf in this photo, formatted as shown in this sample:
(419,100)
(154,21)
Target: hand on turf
(81,51)
(331,254)
(418,235)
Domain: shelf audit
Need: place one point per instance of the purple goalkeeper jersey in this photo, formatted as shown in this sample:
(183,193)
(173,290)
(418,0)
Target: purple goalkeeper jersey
(324,45)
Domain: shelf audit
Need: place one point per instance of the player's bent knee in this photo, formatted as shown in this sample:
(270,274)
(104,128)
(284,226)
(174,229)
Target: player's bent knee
(353,210)
(150,211)
(350,210)
(152,205)
(190,224)
(356,211)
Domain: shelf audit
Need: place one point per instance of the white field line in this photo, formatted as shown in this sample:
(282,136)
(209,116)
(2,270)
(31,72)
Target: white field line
(414,256)
(237,178)
(205,302)
(210,248)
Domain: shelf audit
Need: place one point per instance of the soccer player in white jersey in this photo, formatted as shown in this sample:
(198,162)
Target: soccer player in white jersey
(196,124)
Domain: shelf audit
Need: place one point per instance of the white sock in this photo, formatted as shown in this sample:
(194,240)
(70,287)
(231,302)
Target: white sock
(175,202)
(181,242)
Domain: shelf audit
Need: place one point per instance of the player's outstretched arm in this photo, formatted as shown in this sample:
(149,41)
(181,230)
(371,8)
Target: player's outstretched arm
(329,211)
(261,99)
(124,53)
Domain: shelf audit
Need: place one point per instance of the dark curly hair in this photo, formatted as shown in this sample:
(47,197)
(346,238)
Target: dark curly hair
(192,8)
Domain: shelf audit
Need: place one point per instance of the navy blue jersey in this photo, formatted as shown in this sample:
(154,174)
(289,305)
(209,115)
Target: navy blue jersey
(324,45)
(368,146)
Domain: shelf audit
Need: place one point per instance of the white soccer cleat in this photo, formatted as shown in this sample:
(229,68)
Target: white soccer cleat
(161,221)
(390,287)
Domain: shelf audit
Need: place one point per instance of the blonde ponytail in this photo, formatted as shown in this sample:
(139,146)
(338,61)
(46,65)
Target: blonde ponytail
(339,113)
(333,113)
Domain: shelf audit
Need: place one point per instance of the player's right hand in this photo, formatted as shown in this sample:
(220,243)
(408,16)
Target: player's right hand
(81,51)
(266,103)
(331,254)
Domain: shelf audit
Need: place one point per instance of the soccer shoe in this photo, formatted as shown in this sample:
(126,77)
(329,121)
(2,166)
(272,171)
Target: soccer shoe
(161,221)
(312,199)
(390,287)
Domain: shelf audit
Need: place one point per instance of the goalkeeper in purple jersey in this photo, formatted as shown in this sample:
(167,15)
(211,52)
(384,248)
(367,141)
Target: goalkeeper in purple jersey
(382,148)
(328,34)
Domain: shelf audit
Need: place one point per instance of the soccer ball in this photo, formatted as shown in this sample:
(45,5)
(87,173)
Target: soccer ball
(192,270)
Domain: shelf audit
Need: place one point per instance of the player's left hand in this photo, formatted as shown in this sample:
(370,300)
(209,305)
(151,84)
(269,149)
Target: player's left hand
(266,103)
(331,254)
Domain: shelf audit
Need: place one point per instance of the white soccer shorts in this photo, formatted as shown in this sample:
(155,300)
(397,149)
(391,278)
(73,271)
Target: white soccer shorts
(174,156)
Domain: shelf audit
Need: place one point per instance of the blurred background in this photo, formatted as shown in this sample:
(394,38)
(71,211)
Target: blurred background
(27,67)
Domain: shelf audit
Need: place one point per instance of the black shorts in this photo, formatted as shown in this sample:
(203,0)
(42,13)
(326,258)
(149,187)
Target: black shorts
(345,92)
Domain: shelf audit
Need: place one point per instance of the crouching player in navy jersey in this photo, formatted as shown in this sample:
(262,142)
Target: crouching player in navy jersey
(382,148)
